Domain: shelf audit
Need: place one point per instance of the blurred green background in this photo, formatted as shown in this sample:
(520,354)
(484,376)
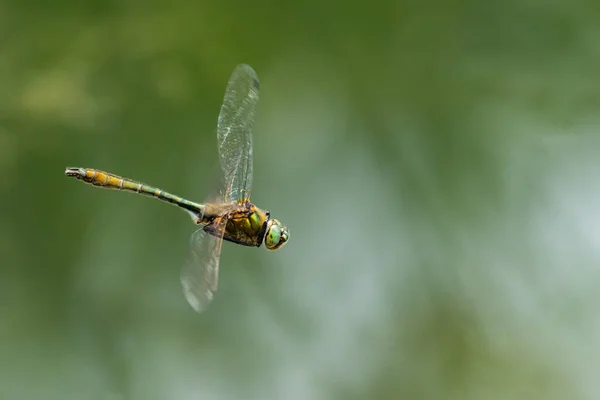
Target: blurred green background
(436,162)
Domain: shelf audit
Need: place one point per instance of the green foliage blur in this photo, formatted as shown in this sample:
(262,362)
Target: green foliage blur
(437,164)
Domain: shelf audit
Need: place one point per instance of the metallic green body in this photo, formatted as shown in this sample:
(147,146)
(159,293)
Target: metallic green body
(245,223)
(233,217)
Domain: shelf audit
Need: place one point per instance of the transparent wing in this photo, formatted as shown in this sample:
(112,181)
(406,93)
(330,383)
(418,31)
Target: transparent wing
(200,273)
(234,132)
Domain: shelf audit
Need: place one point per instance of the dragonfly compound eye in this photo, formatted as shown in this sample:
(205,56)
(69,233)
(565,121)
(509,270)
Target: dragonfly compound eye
(276,235)
(273,236)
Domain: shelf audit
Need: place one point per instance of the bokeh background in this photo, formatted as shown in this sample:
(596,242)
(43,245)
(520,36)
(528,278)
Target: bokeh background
(437,163)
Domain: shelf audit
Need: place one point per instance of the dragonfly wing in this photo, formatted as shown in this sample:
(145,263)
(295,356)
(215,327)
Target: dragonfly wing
(200,273)
(234,132)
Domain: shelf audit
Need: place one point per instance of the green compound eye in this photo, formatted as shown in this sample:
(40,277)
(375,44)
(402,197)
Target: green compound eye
(276,235)
(273,236)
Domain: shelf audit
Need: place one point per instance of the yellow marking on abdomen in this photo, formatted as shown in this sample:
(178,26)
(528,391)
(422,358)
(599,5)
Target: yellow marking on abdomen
(110,181)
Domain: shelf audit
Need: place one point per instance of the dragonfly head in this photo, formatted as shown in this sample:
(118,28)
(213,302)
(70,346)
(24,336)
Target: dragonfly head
(276,235)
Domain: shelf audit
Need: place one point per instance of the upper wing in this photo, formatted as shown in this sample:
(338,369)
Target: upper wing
(234,132)
(200,273)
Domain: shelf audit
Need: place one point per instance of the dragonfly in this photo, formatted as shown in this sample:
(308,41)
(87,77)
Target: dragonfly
(230,216)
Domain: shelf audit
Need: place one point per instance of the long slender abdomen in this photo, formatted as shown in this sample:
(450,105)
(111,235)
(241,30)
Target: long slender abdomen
(110,181)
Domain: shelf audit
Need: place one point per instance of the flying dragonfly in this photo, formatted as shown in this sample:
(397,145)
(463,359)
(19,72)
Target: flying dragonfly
(231,216)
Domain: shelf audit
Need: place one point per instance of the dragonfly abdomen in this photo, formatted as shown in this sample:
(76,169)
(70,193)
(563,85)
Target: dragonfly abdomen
(110,181)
